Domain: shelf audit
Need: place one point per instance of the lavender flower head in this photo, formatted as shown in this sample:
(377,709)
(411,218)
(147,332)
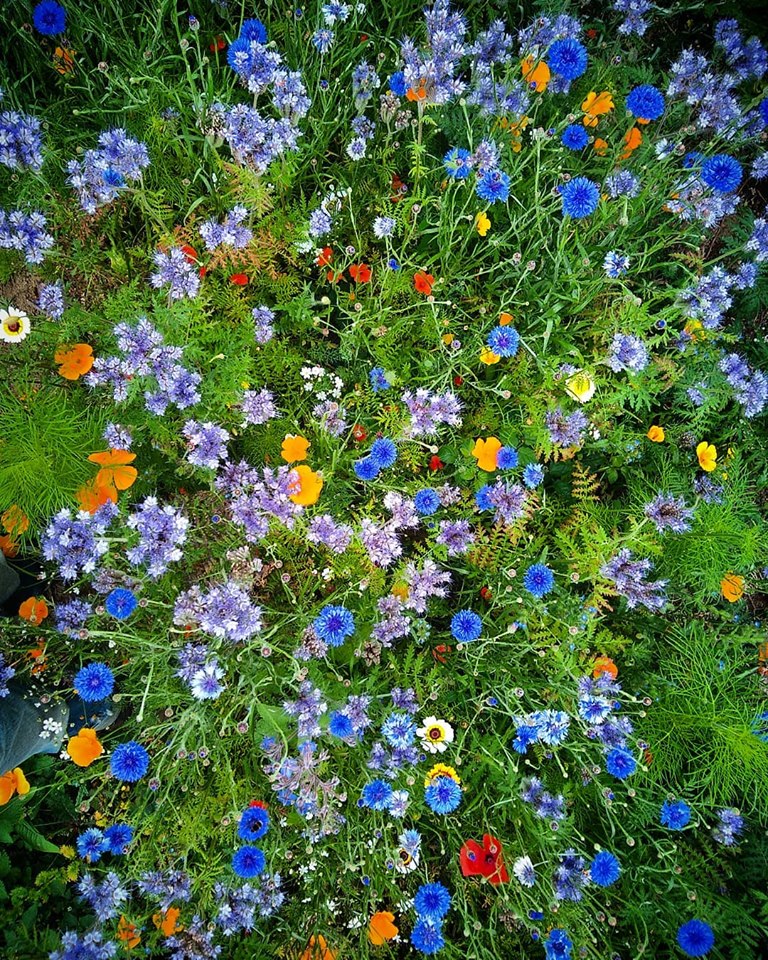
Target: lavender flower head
(628,352)
(161,530)
(629,580)
(177,272)
(669,513)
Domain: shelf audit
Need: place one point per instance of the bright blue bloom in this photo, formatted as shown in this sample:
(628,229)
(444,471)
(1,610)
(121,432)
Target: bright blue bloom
(121,603)
(49,18)
(466,626)
(504,341)
(692,159)
(383,452)
(533,474)
(539,580)
(722,173)
(399,730)
(241,45)
(604,869)
(646,102)
(366,469)
(695,938)
(580,197)
(378,379)
(340,725)
(558,945)
(393,264)
(443,795)
(507,458)
(575,137)
(117,838)
(432,900)
(620,763)
(397,84)
(675,814)
(254,29)
(493,186)
(129,762)
(426,502)
(482,498)
(568,58)
(254,823)
(457,163)
(94,682)
(763,111)
(427,936)
(334,624)
(91,844)
(615,264)
(377,794)
(248,862)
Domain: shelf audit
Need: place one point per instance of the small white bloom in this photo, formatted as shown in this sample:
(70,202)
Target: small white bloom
(435,735)
(14,325)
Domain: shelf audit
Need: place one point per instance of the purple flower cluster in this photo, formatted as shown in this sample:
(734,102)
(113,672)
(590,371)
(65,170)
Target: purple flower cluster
(26,233)
(758,241)
(77,543)
(629,580)
(255,140)
(456,535)
(255,497)
(71,616)
(634,12)
(325,530)
(711,94)
(428,410)
(50,300)
(176,271)
(566,431)
(298,781)
(102,173)
(570,877)
(750,386)
(224,611)
(425,583)
(709,298)
(165,886)
(230,233)
(91,946)
(597,705)
(749,58)
(263,318)
(240,906)
(549,727)
(200,670)
(206,444)
(162,531)
(258,407)
(21,142)
(545,805)
(380,541)
(729,827)
(628,352)
(669,513)
(436,69)
(105,898)
(6,673)
(394,623)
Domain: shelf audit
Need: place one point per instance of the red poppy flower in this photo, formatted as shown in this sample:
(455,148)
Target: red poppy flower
(258,803)
(363,37)
(360,272)
(325,257)
(359,433)
(486,593)
(332,277)
(423,282)
(217,45)
(190,253)
(457,381)
(400,189)
(239,279)
(486,861)
(441,652)
(435,463)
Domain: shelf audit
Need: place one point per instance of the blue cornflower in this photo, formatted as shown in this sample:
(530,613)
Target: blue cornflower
(675,814)
(340,725)
(432,900)
(397,84)
(366,469)
(426,502)
(580,197)
(604,869)
(378,379)
(558,944)
(334,624)
(254,29)
(49,18)
(493,186)
(568,58)
(457,163)
(91,844)
(377,794)
(393,264)
(695,938)
(427,936)
(248,862)
(399,730)
(466,626)
(121,603)
(383,452)
(507,458)
(533,474)
(504,341)
(575,137)
(620,763)
(94,682)
(539,580)
(254,823)
(129,762)
(615,264)
(722,173)
(646,102)
(239,47)
(482,497)
(443,795)
(117,838)
(692,159)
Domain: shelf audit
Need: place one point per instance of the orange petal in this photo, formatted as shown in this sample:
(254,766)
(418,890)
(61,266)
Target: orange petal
(294,448)
(308,485)
(381,928)
(112,458)
(84,748)
(485,452)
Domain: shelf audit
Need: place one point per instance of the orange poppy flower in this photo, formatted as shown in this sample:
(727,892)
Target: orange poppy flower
(359,433)
(92,496)
(382,928)
(707,456)
(603,665)
(596,105)
(360,272)
(64,60)
(15,520)
(485,452)
(318,949)
(732,587)
(190,253)
(294,448)
(13,782)
(656,434)
(34,610)
(505,319)
(239,279)
(166,922)
(9,546)
(537,74)
(84,747)
(325,257)
(128,932)
(632,138)
(600,146)
(75,361)
(423,282)
(38,656)
(115,474)
(415,94)
(307,486)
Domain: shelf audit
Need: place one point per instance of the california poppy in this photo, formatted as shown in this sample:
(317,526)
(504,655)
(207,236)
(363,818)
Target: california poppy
(603,665)
(632,140)
(488,357)
(536,74)
(441,652)
(486,861)
(600,147)
(318,949)
(306,486)
(115,474)
(596,105)
(34,610)
(14,520)
(360,272)
(325,257)
(13,782)
(91,496)
(294,448)
(74,361)
(414,94)
(655,434)
(485,452)
(382,928)
(732,587)
(128,933)
(166,922)
(423,282)
(9,546)
(64,60)
(707,456)
(482,223)
(84,747)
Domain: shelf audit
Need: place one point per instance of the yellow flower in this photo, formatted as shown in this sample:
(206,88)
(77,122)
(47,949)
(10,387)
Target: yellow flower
(732,587)
(656,434)
(485,452)
(487,356)
(707,454)
(580,386)
(306,487)
(482,223)
(294,448)
(536,73)
(595,105)
(441,770)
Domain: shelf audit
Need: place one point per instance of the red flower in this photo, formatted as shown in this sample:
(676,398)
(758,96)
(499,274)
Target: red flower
(457,381)
(486,861)
(485,593)
(239,279)
(423,282)
(360,272)
(258,803)
(441,652)
(325,257)
(217,45)
(435,463)
(359,433)
(399,187)
(332,277)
